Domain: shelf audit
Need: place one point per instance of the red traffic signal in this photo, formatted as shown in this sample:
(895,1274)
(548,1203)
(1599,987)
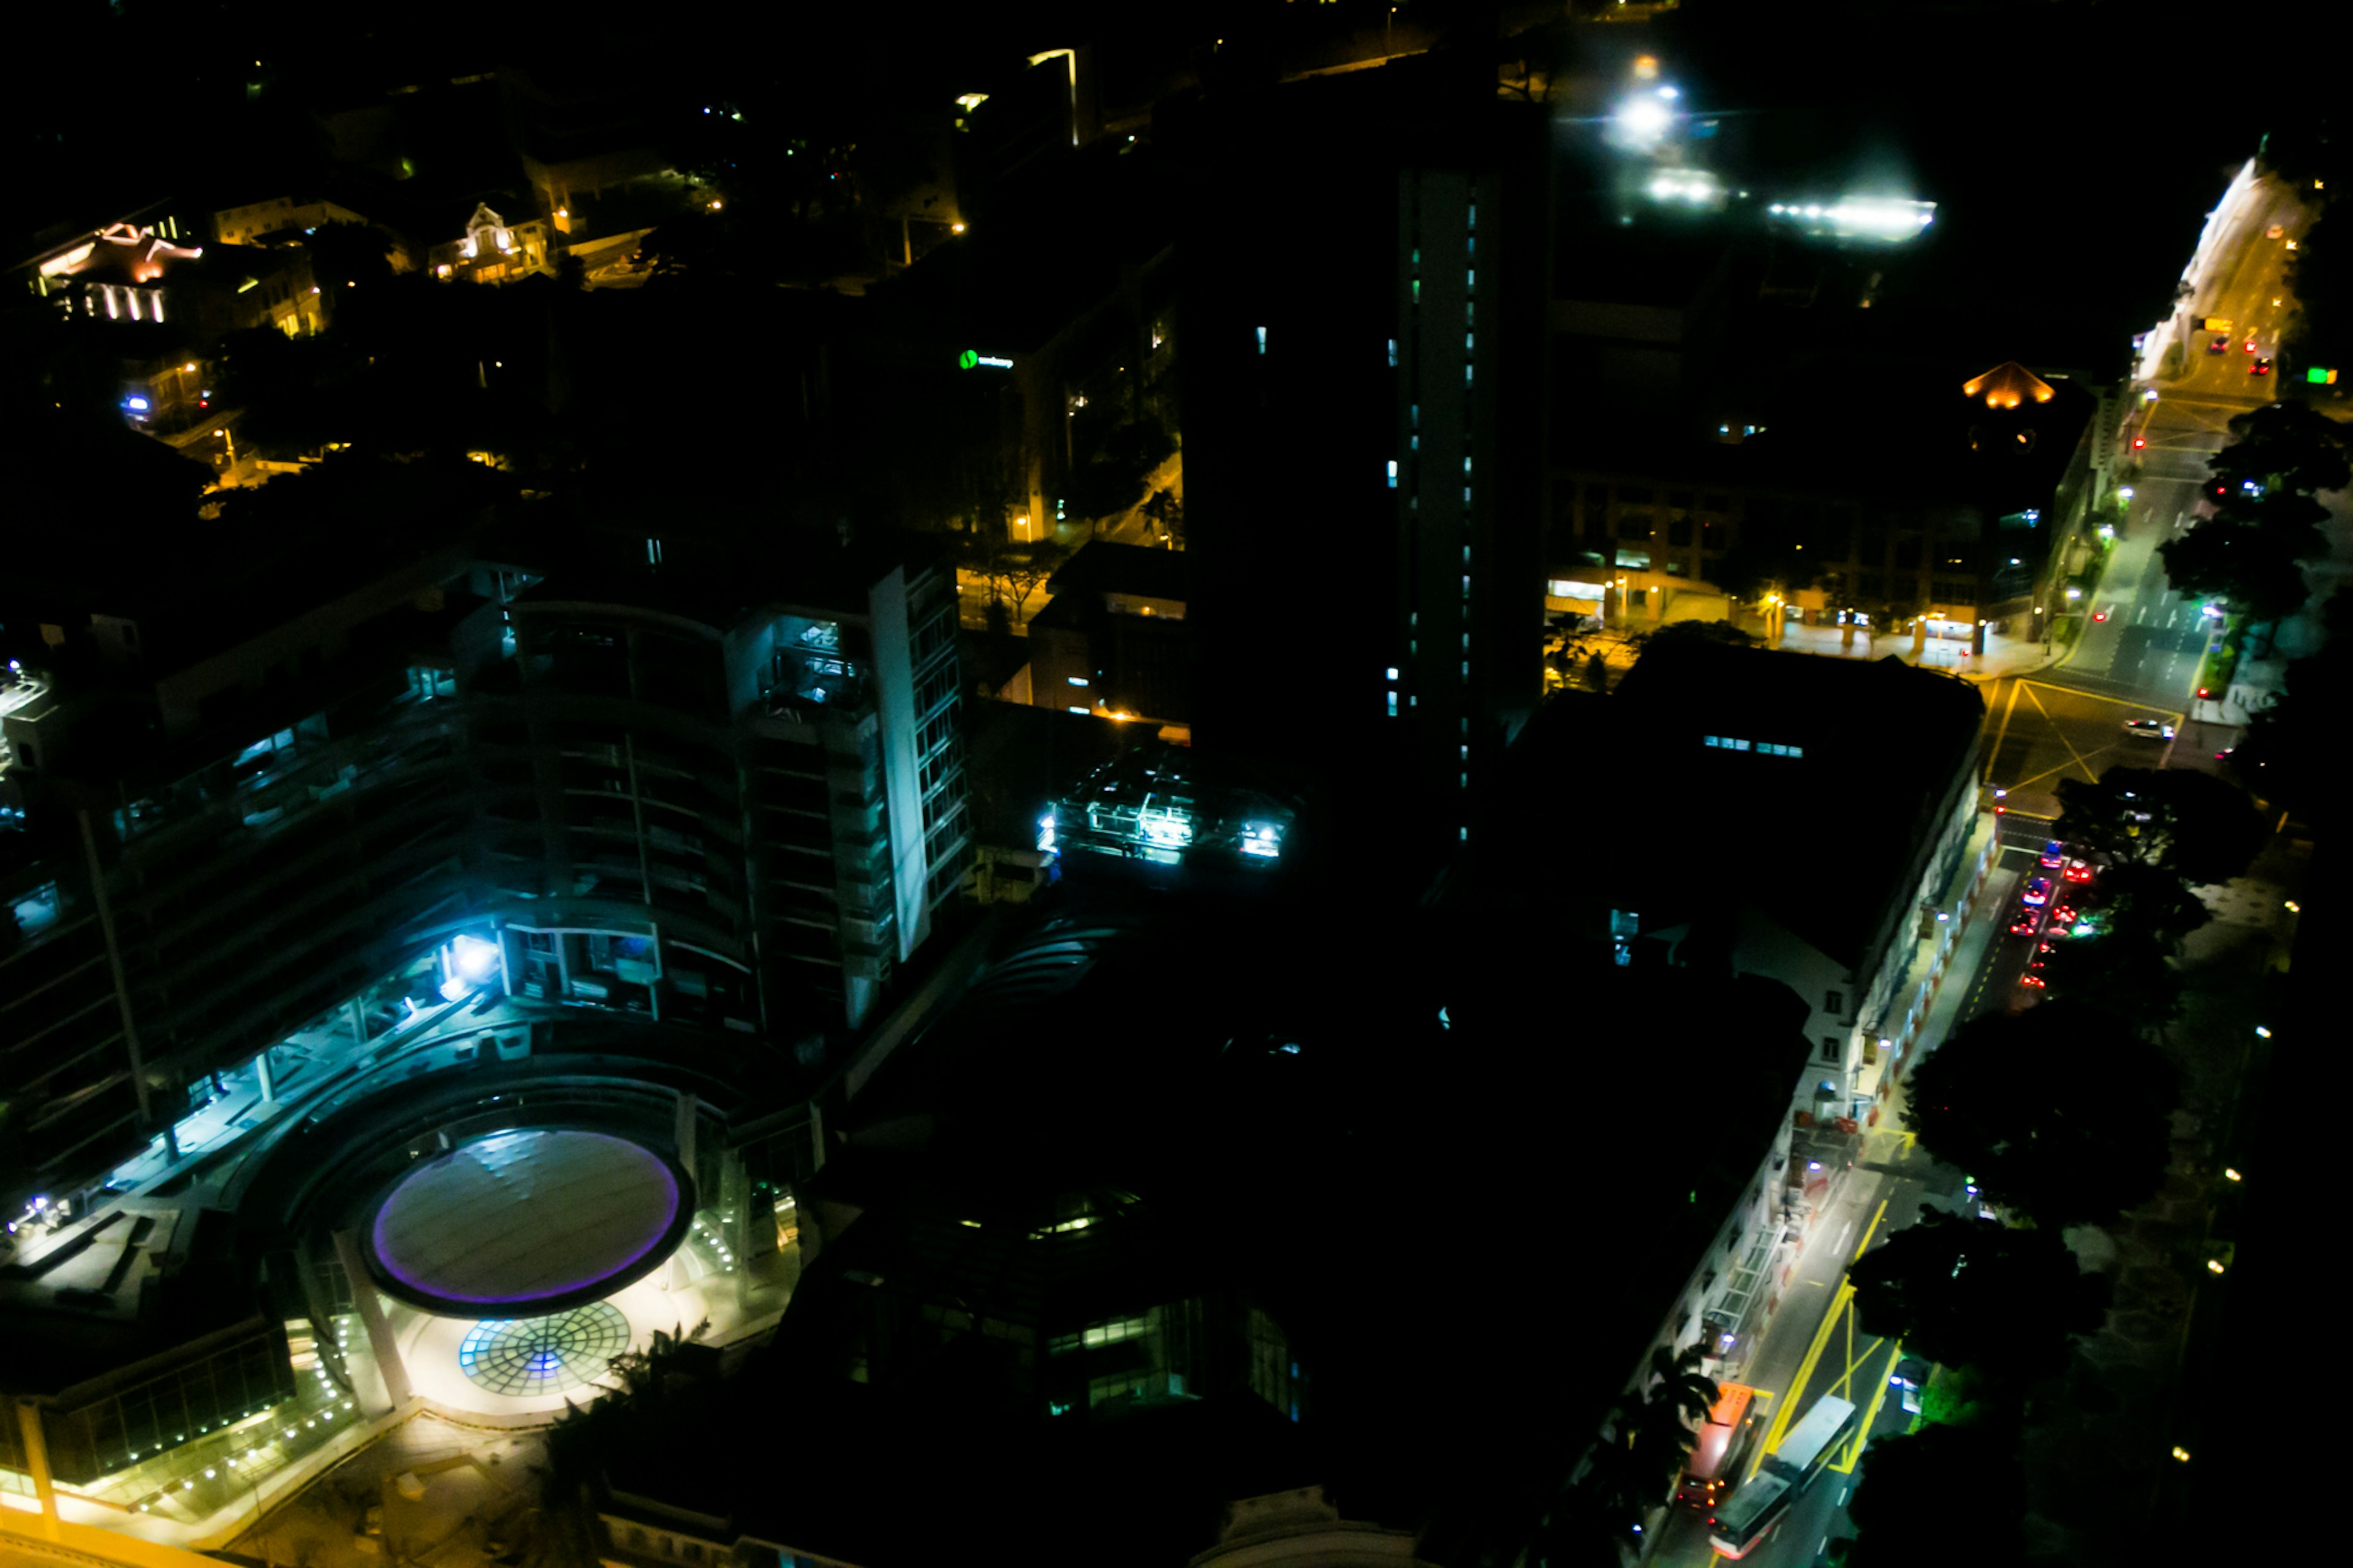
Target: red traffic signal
(2138,442)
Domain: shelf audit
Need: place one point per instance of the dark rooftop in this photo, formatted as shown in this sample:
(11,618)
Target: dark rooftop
(1729,817)
(1101,566)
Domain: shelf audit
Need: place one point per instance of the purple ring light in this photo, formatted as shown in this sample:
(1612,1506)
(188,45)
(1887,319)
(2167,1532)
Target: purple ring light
(523,1224)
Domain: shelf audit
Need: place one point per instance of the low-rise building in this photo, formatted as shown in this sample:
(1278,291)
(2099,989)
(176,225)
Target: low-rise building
(493,250)
(1113,639)
(1845,514)
(1781,834)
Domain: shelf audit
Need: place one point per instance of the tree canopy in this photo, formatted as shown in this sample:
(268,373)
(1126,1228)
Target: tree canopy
(2284,446)
(2123,971)
(2061,1146)
(1943,1495)
(2005,1302)
(2241,565)
(2291,751)
(2199,826)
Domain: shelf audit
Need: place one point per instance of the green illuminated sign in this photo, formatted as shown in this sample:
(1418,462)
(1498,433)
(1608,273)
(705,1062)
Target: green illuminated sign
(2319,377)
(972,358)
(966,360)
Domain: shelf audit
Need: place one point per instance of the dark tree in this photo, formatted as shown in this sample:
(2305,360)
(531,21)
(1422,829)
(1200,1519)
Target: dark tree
(293,391)
(2063,1148)
(1754,568)
(2250,569)
(2124,972)
(347,258)
(2291,748)
(1675,1399)
(2284,446)
(2305,150)
(1674,632)
(1974,1292)
(2194,824)
(2320,329)
(1943,1495)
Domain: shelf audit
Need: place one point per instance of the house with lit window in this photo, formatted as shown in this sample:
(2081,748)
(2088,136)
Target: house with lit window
(122,273)
(493,250)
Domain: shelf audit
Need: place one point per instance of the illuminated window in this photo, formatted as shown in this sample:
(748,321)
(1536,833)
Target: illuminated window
(1469,341)
(1392,473)
(1471,280)
(1466,375)
(1262,340)
(1393,670)
(1393,353)
(1078,710)
(1076,679)
(1393,707)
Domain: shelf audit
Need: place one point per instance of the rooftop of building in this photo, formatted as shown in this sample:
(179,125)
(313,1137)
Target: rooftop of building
(1648,264)
(1736,756)
(1101,566)
(718,583)
(1145,1490)
(1019,760)
(1293,1119)
(1849,418)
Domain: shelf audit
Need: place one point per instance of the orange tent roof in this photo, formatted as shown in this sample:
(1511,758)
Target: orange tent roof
(2007,385)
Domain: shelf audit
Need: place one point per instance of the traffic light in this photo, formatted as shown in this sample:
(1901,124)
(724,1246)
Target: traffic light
(2317,376)
(2139,442)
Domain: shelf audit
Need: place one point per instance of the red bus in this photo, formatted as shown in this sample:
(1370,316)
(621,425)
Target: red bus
(1715,1458)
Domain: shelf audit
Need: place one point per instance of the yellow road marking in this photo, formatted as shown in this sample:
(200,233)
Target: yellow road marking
(1872,1226)
(1805,1369)
(2007,709)
(1862,1428)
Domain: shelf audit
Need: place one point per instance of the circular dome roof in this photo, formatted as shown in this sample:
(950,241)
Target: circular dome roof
(523,1224)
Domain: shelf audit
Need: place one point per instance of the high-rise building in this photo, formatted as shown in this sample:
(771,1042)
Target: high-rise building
(377,790)
(1364,274)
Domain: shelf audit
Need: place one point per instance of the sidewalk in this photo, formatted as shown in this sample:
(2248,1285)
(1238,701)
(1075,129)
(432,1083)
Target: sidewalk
(2004,656)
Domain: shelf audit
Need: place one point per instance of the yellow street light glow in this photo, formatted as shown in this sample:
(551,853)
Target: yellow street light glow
(2262,1032)
(2181,1453)
(2231,1174)
(2293,908)
(2214,1266)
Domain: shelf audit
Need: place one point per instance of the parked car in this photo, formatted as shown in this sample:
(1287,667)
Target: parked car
(1910,1378)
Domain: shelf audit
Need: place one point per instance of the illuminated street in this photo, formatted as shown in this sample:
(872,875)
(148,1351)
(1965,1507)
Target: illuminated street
(998,774)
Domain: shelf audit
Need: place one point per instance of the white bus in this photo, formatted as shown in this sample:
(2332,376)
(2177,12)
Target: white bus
(1754,1509)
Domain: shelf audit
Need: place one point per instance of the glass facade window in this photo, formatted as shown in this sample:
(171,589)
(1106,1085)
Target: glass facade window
(200,1397)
